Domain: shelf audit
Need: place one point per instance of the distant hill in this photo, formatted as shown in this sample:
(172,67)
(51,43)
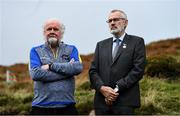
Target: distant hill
(162,47)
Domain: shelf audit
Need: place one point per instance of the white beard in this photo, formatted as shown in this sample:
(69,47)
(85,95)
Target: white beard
(115,31)
(53,41)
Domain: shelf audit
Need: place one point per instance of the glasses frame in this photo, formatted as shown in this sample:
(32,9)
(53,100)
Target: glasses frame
(115,20)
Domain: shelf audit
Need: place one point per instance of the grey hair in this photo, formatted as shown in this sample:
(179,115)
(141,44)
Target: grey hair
(122,12)
(62,29)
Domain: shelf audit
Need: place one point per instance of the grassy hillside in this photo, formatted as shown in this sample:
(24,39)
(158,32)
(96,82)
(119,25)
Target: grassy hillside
(160,95)
(163,47)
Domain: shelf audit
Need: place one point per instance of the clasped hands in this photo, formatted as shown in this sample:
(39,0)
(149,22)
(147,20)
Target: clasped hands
(109,94)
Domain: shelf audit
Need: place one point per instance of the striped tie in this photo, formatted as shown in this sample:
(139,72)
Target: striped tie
(116,48)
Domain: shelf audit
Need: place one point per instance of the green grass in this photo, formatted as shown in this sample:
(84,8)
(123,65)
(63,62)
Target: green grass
(158,97)
(15,98)
(84,101)
(177,56)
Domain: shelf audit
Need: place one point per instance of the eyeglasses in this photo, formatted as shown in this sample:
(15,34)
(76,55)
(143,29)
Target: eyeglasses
(115,20)
(50,29)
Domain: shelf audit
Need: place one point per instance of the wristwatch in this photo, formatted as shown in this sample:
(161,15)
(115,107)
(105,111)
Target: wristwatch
(116,89)
(50,66)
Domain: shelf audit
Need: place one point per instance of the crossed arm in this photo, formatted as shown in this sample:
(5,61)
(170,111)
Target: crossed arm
(53,72)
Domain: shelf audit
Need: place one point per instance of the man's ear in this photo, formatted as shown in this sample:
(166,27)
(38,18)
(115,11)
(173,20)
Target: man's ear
(126,22)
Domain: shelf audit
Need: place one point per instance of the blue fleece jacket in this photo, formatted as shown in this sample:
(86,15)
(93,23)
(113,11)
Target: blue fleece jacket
(54,88)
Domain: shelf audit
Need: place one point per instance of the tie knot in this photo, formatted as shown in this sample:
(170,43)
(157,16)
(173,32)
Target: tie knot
(117,41)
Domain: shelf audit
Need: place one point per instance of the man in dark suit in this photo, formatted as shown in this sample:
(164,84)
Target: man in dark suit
(116,69)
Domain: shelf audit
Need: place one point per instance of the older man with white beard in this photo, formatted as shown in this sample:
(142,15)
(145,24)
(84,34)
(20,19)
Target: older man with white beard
(117,67)
(52,68)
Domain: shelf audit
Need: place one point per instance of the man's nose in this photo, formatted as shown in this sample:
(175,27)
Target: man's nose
(52,30)
(112,24)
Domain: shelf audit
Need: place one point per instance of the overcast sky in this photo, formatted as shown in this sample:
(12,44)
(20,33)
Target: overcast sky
(85,20)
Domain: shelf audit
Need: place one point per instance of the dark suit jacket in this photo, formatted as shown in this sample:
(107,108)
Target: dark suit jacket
(126,70)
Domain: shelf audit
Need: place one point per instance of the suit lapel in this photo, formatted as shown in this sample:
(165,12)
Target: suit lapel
(109,50)
(123,46)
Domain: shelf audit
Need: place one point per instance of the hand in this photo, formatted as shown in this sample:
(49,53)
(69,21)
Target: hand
(108,102)
(45,67)
(109,93)
(72,60)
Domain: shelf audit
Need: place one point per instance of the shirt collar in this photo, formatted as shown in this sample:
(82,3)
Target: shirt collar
(121,38)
